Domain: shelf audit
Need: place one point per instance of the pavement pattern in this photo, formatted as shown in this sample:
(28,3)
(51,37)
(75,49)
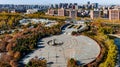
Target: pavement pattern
(81,48)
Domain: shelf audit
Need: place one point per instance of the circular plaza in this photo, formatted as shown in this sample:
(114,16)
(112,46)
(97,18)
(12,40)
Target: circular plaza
(81,48)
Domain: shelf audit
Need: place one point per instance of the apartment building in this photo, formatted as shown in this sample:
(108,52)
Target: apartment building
(51,11)
(73,14)
(61,12)
(114,14)
(95,14)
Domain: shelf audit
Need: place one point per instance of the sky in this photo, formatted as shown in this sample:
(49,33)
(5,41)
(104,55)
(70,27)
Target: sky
(102,2)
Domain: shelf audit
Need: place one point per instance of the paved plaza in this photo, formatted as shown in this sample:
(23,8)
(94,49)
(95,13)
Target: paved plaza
(81,48)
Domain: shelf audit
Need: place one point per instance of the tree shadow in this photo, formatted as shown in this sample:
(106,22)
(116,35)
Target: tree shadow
(50,63)
(79,63)
(41,46)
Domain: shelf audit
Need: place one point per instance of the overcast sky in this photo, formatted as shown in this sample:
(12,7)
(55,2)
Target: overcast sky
(103,2)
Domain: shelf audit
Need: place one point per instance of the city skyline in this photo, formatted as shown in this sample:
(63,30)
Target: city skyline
(46,2)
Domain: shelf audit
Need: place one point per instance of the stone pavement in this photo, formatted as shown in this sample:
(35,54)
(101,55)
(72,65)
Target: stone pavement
(81,48)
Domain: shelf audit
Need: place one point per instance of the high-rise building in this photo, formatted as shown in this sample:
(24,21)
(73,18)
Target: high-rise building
(95,14)
(65,5)
(56,6)
(73,14)
(105,13)
(67,12)
(61,5)
(75,4)
(88,3)
(70,5)
(51,11)
(61,12)
(95,5)
(75,7)
(114,14)
(52,6)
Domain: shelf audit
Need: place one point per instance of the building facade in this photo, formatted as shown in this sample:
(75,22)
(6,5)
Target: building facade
(95,14)
(114,14)
(73,14)
(51,11)
(61,12)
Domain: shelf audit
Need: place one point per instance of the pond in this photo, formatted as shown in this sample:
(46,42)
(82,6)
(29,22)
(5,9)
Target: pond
(117,42)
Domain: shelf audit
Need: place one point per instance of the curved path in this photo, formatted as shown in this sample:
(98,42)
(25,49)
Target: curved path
(82,48)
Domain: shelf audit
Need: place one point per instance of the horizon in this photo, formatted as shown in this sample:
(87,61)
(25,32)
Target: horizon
(47,2)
